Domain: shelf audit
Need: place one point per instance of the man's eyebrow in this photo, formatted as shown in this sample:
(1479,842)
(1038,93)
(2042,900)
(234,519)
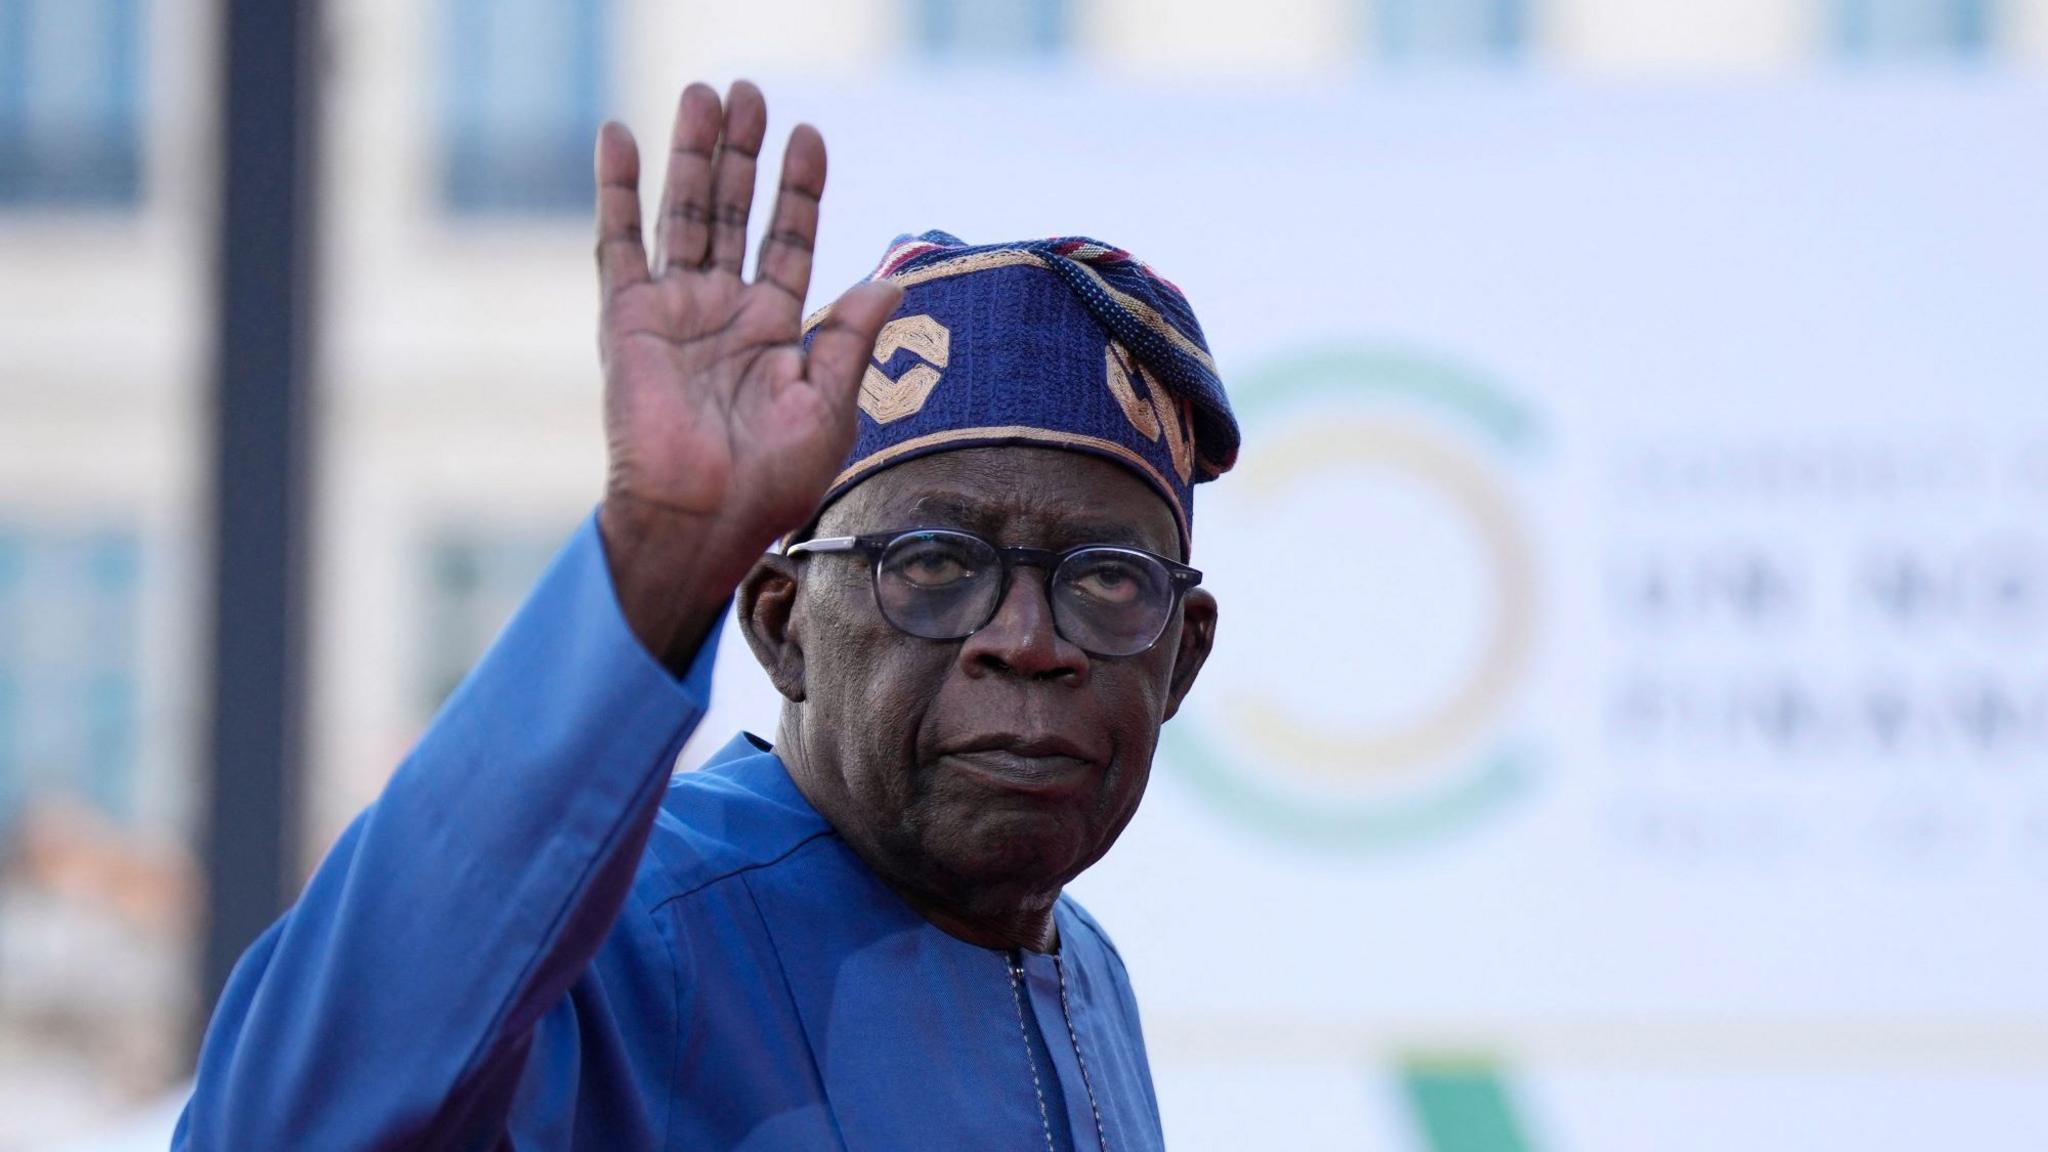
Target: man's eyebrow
(1083,530)
(950,510)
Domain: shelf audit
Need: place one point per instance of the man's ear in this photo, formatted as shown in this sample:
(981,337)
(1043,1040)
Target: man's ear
(1197,637)
(767,614)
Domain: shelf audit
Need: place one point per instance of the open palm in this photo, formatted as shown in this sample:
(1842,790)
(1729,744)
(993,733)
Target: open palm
(722,429)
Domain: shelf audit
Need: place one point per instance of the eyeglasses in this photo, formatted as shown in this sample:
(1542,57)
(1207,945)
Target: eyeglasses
(944,585)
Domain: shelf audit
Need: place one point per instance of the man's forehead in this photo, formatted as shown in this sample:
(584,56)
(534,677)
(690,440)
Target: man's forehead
(1054,496)
(947,509)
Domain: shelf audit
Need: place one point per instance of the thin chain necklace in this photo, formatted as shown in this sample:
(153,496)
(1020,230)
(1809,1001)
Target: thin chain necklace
(1013,963)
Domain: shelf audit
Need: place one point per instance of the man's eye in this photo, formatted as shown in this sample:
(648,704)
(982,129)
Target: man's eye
(933,568)
(1111,582)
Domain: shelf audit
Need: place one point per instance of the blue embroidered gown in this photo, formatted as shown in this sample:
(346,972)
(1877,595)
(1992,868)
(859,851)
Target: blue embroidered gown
(536,938)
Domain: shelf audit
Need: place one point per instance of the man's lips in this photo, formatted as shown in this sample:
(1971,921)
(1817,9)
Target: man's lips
(1037,764)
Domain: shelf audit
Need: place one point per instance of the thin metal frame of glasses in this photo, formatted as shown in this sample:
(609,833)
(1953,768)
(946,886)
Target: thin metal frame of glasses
(1124,613)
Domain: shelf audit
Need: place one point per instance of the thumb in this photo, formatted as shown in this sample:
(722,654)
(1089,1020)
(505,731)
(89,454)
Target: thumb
(845,340)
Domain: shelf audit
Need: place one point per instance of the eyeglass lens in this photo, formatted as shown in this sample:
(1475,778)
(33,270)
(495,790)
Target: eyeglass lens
(946,585)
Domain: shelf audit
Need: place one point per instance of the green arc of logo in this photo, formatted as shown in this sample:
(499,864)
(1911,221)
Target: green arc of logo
(1503,775)
(1352,372)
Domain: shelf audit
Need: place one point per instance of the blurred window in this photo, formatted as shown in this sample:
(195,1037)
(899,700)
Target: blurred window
(69,669)
(476,580)
(1452,31)
(994,29)
(525,90)
(70,123)
(1912,29)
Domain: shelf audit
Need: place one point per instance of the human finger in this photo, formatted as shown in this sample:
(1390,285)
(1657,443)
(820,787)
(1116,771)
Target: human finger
(621,254)
(844,342)
(732,178)
(683,230)
(792,233)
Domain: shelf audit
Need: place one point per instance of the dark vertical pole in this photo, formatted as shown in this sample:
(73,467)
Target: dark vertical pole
(263,358)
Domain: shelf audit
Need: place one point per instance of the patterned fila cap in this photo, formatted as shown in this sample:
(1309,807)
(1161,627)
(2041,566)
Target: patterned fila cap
(1061,343)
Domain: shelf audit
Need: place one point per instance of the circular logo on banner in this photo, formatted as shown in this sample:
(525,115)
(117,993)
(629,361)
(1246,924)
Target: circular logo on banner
(1380,600)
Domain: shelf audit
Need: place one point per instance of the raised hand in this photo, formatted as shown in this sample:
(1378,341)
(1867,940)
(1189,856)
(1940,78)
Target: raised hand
(723,433)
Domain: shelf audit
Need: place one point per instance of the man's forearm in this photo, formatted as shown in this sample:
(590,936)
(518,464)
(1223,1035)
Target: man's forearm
(462,904)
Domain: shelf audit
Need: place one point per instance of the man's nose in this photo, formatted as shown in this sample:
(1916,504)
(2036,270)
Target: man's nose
(1020,637)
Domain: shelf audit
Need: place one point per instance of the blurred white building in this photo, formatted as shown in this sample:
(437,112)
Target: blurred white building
(458,435)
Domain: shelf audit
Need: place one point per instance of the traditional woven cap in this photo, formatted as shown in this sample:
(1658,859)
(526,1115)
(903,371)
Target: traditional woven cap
(1063,343)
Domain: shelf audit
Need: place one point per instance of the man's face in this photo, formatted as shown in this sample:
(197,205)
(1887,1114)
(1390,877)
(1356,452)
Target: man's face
(1011,757)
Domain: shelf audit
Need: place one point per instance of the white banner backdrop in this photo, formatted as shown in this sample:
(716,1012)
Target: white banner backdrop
(1629,720)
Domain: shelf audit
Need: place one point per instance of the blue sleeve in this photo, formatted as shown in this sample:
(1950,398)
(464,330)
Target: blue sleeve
(393,1005)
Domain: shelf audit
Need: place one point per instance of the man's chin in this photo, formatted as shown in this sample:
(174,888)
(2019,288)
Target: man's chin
(1013,845)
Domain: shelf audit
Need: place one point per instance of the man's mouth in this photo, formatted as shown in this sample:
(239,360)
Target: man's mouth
(1041,765)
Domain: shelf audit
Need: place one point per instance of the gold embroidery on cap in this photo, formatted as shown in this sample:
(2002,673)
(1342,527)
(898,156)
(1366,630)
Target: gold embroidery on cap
(1137,409)
(1174,423)
(886,400)
(1155,412)
(1184,460)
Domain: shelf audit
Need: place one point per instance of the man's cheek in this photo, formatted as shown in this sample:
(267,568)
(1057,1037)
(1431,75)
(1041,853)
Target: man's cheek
(899,686)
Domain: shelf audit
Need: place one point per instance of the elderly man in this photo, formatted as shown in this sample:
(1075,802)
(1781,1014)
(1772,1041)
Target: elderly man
(536,938)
